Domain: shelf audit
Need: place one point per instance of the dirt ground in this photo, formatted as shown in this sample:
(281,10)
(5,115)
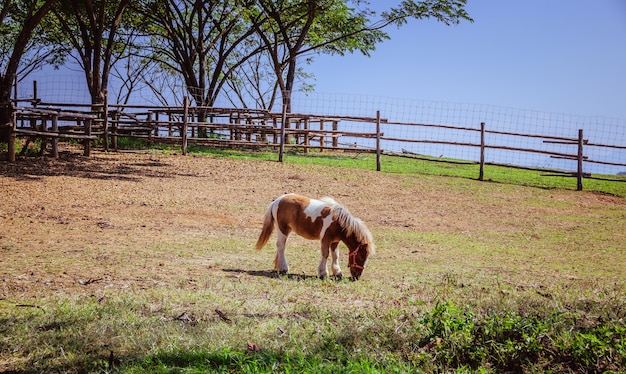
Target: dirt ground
(62,220)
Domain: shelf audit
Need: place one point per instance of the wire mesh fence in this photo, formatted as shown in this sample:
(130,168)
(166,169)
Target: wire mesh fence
(432,129)
(452,130)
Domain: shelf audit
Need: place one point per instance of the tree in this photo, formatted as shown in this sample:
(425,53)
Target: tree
(91,28)
(130,73)
(38,52)
(252,84)
(293,28)
(19,19)
(284,27)
(202,40)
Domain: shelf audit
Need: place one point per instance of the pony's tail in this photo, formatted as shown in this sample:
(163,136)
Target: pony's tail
(268,228)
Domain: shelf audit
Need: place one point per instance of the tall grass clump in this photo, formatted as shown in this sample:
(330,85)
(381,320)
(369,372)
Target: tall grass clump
(445,338)
(449,337)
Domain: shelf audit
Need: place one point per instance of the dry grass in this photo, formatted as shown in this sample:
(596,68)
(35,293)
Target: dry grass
(123,255)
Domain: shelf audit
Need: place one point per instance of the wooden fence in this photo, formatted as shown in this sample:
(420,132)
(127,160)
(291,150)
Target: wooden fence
(231,127)
(577,142)
(39,123)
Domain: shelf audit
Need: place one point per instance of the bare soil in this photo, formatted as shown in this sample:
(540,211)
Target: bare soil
(67,222)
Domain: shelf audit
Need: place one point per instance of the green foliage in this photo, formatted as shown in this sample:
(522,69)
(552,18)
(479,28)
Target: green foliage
(229,361)
(22,47)
(340,30)
(602,346)
(132,143)
(459,338)
(445,11)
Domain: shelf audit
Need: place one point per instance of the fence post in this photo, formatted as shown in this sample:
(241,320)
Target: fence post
(283,120)
(55,141)
(185,124)
(322,135)
(481,175)
(114,126)
(12,139)
(156,123)
(44,128)
(378,140)
(33,122)
(87,142)
(579,186)
(12,136)
(170,132)
(151,124)
(305,124)
(105,118)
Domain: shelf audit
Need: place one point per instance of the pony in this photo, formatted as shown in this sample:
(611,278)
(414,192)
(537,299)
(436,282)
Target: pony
(317,219)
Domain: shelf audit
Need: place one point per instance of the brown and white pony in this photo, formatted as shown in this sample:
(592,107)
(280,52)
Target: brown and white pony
(323,220)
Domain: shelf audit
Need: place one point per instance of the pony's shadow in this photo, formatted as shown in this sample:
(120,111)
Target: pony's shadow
(274,274)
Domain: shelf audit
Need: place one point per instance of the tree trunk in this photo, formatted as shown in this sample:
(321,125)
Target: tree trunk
(6,111)
(8,76)
(6,128)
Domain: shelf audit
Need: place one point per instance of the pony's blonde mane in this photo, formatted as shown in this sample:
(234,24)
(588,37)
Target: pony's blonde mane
(352,225)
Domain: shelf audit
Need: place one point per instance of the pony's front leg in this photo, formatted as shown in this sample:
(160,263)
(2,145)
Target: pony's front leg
(280,262)
(322,271)
(335,266)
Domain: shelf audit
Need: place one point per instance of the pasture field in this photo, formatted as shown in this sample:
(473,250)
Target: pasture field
(144,262)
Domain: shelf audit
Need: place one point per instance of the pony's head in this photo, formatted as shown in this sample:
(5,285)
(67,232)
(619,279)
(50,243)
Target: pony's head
(361,245)
(356,260)
(356,236)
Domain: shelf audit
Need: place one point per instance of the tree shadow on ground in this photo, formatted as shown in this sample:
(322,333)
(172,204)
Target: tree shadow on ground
(76,165)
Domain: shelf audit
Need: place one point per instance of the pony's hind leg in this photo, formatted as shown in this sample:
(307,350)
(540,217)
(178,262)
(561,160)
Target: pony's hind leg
(280,262)
(335,264)
(322,270)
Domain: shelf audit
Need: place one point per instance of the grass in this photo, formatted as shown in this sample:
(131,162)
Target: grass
(301,324)
(403,165)
(146,332)
(537,298)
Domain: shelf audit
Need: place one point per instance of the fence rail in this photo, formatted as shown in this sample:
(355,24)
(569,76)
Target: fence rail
(232,127)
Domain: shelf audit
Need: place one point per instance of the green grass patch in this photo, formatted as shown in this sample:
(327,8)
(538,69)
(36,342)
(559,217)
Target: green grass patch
(441,311)
(123,334)
(404,165)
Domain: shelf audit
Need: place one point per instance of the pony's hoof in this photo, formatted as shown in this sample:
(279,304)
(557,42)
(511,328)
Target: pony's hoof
(338,276)
(283,272)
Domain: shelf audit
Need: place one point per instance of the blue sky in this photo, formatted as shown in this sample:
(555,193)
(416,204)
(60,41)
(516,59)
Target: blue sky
(558,56)
(536,66)
(564,56)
